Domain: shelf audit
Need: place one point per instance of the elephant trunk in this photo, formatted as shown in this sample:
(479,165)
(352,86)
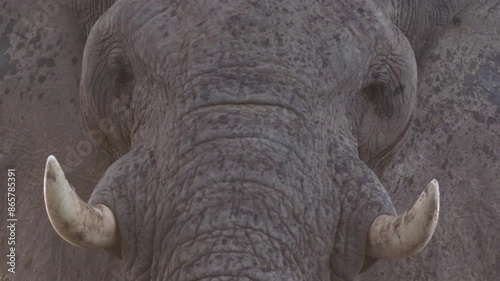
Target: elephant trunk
(246,200)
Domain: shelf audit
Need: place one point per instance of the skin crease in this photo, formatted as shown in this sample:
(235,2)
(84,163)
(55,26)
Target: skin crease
(327,150)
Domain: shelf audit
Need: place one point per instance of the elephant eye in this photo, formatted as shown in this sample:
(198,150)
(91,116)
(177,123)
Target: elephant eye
(377,93)
(124,76)
(120,82)
(385,97)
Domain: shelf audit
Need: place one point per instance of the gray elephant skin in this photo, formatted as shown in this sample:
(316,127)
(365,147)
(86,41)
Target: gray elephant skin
(251,140)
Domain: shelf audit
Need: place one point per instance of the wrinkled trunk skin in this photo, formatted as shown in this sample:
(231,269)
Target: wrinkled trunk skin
(242,197)
(241,193)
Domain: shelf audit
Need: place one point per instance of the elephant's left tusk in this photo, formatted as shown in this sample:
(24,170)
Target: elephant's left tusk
(407,234)
(77,222)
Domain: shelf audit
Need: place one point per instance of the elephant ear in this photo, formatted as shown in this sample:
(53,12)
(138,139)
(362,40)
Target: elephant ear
(88,11)
(419,20)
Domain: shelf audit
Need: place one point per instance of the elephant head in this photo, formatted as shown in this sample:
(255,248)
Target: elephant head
(244,137)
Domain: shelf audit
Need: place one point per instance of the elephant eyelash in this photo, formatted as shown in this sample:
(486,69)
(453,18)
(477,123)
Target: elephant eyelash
(119,65)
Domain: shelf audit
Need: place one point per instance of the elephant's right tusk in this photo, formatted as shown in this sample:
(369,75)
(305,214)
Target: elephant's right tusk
(407,234)
(75,221)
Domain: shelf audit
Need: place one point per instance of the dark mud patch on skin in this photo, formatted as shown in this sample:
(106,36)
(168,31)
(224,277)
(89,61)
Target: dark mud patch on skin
(490,78)
(494,97)
(46,62)
(5,60)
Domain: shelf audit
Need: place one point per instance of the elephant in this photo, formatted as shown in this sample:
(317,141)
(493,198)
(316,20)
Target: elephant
(251,140)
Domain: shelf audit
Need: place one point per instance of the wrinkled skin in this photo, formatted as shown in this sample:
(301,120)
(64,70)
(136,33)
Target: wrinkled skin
(306,99)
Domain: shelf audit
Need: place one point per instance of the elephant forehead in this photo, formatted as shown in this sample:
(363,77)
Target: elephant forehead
(314,39)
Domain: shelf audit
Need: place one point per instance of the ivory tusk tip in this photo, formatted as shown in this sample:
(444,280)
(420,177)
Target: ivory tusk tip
(432,196)
(433,187)
(51,163)
(52,170)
